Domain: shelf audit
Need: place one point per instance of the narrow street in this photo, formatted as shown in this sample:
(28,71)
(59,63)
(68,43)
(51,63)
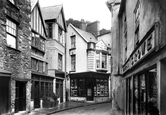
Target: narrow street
(98,109)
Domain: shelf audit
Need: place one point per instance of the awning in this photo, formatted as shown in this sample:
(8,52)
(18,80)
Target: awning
(5,73)
(59,73)
(89,74)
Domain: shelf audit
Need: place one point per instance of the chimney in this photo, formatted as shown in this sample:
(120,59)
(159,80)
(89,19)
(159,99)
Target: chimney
(82,25)
(94,28)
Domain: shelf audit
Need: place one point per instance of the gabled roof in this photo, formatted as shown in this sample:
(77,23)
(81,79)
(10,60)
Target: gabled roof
(51,12)
(85,35)
(33,3)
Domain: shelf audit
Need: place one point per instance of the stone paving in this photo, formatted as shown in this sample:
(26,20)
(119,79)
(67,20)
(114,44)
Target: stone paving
(60,107)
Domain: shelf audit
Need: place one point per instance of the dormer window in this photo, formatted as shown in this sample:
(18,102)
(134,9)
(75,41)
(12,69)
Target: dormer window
(50,30)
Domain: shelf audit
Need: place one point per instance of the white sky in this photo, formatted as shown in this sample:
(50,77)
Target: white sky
(89,10)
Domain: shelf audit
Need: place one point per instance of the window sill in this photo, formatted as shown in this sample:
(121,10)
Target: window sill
(13,48)
(72,49)
(37,48)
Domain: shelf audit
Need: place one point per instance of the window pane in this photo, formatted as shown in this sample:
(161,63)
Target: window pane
(73,62)
(73,41)
(103,60)
(73,87)
(97,60)
(152,92)
(81,87)
(11,41)
(59,61)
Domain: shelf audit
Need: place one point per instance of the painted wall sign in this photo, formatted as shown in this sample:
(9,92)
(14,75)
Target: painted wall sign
(143,50)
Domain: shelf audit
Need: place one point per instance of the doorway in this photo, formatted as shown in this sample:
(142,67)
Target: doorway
(59,89)
(36,95)
(4,94)
(90,89)
(20,101)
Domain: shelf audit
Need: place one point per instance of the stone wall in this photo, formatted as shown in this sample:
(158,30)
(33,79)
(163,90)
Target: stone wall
(17,61)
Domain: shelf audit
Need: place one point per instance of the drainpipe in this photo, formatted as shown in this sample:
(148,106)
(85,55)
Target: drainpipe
(65,66)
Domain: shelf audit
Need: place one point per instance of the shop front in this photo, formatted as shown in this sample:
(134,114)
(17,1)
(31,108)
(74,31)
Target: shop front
(89,86)
(141,95)
(42,87)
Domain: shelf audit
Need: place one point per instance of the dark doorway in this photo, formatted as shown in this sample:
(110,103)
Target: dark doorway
(20,101)
(4,94)
(36,95)
(59,89)
(61,92)
(90,89)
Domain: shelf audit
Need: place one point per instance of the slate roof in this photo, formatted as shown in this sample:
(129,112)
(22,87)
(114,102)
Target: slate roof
(51,12)
(86,35)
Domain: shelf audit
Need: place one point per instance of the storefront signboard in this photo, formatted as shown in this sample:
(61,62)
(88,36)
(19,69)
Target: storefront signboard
(142,51)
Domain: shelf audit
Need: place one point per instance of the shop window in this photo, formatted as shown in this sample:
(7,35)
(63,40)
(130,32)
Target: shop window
(73,86)
(42,90)
(81,87)
(144,94)
(11,29)
(101,88)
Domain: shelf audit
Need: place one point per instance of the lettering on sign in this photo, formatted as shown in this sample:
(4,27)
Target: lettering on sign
(147,45)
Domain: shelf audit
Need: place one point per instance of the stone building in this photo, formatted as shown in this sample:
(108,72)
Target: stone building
(88,66)
(15,56)
(140,29)
(56,48)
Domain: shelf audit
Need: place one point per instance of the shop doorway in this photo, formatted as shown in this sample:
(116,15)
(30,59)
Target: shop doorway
(20,101)
(36,95)
(59,89)
(90,89)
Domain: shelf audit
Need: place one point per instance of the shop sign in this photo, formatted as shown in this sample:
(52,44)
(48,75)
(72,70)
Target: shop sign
(143,50)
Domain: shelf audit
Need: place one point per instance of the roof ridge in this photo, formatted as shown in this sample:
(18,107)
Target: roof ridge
(52,6)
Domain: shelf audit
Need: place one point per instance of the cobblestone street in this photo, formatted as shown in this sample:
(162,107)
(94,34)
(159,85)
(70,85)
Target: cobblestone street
(98,109)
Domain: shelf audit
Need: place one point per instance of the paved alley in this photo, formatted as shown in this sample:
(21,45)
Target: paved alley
(98,109)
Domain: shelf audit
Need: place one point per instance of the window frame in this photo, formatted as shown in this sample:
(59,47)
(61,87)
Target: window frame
(73,62)
(136,23)
(60,61)
(50,30)
(73,41)
(9,30)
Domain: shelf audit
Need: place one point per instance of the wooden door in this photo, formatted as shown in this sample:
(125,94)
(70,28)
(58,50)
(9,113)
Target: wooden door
(36,95)
(20,101)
